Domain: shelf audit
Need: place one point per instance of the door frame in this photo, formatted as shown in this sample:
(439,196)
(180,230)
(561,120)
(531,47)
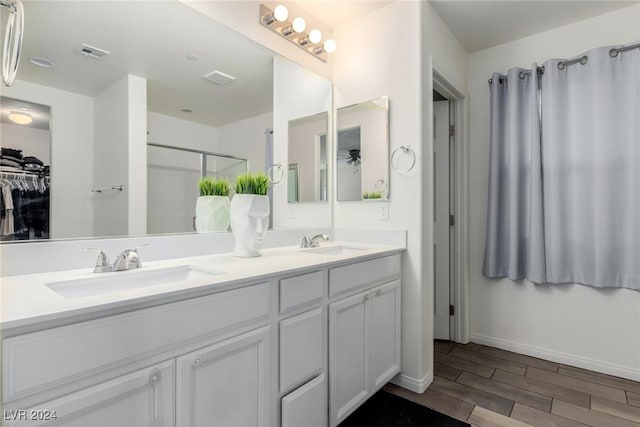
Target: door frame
(459,286)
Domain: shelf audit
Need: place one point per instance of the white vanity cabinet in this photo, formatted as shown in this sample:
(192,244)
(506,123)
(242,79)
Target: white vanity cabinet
(364,332)
(201,361)
(302,349)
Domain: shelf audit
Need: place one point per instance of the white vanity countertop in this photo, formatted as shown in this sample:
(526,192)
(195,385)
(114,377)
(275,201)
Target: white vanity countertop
(28,304)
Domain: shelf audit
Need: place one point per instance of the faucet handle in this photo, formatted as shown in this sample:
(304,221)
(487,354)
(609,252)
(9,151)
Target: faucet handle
(144,245)
(305,242)
(102,263)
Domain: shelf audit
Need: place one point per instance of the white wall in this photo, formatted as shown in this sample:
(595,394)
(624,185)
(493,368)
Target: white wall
(121,158)
(167,130)
(593,328)
(246,139)
(32,141)
(379,55)
(297,92)
(71,156)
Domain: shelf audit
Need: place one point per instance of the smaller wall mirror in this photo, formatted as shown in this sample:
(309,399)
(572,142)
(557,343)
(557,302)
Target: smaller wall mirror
(307,170)
(363,151)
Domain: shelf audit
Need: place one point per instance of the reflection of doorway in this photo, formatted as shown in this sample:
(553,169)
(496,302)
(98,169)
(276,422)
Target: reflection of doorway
(349,164)
(292,180)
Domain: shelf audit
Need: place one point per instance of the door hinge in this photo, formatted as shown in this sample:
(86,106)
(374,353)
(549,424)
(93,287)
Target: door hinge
(452,130)
(452,220)
(452,310)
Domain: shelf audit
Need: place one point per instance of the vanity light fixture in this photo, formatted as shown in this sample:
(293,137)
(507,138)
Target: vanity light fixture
(20,117)
(294,31)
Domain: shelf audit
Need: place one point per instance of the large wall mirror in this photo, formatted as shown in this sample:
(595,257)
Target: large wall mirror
(363,151)
(307,157)
(145,95)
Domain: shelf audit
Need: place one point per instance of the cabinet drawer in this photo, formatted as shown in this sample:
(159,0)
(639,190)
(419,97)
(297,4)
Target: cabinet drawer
(296,292)
(306,406)
(87,348)
(301,344)
(354,276)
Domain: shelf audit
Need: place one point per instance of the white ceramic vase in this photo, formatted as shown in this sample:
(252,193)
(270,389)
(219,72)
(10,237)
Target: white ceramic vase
(212,213)
(249,223)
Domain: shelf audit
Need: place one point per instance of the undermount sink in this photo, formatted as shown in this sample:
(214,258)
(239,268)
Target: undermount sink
(106,283)
(333,250)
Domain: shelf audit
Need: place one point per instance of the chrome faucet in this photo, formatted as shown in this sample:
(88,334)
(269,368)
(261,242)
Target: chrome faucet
(102,263)
(314,241)
(128,259)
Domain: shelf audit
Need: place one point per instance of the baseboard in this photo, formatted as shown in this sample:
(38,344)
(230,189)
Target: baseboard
(413,384)
(559,357)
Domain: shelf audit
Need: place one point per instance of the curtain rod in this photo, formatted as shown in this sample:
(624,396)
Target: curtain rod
(582,60)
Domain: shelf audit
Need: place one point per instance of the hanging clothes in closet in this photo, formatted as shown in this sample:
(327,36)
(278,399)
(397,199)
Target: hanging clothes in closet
(24,208)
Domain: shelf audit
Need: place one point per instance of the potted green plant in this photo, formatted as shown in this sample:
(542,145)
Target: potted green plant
(372,195)
(213,206)
(250,213)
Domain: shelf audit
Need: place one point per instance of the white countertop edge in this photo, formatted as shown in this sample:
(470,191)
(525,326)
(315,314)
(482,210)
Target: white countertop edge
(29,305)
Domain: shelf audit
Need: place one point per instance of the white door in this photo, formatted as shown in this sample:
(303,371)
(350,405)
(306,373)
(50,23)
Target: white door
(385,334)
(348,362)
(225,384)
(141,398)
(441,225)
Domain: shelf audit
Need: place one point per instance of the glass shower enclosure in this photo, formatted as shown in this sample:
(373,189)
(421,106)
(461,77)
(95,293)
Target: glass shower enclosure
(172,184)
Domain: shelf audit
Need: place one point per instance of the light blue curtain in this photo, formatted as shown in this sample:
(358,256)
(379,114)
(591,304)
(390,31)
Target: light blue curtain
(591,163)
(514,246)
(564,185)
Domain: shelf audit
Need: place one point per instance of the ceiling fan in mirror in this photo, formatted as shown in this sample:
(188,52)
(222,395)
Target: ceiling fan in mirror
(353,158)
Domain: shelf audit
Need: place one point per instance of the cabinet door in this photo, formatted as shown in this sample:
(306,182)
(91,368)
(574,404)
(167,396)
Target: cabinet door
(348,364)
(385,334)
(225,384)
(301,348)
(142,398)
(307,405)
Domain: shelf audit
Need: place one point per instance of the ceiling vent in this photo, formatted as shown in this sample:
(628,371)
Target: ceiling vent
(93,52)
(219,78)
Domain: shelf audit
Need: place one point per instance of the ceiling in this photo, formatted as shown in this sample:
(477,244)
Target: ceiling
(334,14)
(150,39)
(482,24)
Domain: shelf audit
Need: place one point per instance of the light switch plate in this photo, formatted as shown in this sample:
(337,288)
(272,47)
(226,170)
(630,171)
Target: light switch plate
(383,211)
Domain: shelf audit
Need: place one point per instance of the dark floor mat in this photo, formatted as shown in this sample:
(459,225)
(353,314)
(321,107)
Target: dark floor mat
(385,409)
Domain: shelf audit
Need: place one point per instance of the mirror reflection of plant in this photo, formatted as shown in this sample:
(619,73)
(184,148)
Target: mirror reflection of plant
(249,183)
(214,186)
(372,195)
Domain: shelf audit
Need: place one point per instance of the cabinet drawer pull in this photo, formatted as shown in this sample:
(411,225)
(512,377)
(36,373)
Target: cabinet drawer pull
(197,361)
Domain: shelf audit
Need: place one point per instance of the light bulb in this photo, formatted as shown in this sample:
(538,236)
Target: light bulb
(280,13)
(330,46)
(20,118)
(315,36)
(298,25)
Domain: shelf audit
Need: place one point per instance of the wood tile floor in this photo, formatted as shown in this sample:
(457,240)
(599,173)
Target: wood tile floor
(489,387)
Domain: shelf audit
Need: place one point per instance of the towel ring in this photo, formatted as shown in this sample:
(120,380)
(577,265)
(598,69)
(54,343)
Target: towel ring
(270,173)
(380,186)
(403,149)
